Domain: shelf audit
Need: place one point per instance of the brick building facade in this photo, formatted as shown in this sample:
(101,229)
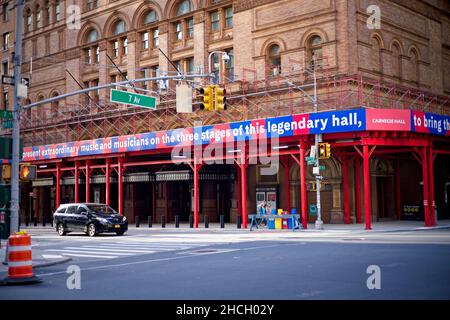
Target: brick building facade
(267,42)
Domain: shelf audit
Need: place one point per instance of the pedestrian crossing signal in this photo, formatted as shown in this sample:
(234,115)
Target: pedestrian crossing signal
(27,172)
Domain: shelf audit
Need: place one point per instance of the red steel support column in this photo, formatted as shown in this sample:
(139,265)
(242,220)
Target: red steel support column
(58,184)
(108,182)
(244,194)
(239,199)
(77,186)
(303,186)
(366,168)
(425,186)
(196,193)
(431,186)
(166,204)
(358,189)
(287,182)
(120,185)
(397,189)
(346,192)
(88,187)
(154,200)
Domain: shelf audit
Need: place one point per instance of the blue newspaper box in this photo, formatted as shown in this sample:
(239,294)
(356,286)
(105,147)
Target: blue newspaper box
(271,223)
(290,222)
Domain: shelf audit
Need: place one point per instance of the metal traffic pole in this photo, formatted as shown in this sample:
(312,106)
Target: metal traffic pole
(16,124)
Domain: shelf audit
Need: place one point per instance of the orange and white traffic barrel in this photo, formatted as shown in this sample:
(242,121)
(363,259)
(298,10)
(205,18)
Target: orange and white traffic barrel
(20,264)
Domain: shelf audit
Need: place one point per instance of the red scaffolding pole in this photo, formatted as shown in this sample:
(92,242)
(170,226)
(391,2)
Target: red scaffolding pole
(431,186)
(88,175)
(302,165)
(346,191)
(397,189)
(358,189)
(58,184)
(367,205)
(77,187)
(108,182)
(120,184)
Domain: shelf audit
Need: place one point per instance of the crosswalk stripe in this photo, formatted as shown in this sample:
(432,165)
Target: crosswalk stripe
(140,248)
(88,255)
(90,252)
(116,250)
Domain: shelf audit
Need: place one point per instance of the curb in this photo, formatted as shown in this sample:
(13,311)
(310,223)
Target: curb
(51,263)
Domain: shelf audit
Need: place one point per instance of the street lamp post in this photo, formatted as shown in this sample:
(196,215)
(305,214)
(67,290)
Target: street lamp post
(225,57)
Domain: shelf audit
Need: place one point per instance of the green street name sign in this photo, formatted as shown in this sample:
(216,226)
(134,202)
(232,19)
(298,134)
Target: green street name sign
(6,114)
(7,124)
(134,99)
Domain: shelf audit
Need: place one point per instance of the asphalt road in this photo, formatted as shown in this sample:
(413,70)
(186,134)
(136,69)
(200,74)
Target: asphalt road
(413,265)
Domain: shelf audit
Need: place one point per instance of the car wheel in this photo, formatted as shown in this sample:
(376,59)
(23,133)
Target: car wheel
(60,229)
(120,233)
(91,230)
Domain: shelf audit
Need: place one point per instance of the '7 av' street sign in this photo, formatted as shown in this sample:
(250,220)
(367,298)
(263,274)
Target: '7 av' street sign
(134,99)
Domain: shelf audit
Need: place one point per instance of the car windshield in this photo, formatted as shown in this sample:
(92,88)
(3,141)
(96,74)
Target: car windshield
(101,208)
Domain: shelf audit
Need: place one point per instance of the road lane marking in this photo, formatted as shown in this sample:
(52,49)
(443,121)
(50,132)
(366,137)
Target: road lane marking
(89,256)
(90,252)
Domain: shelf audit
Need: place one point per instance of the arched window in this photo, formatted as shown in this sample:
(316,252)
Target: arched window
(28,20)
(376,54)
(151,17)
(396,61)
(415,72)
(183,29)
(315,49)
(274,59)
(47,12)
(184,7)
(120,27)
(92,49)
(54,106)
(38,17)
(150,36)
(119,45)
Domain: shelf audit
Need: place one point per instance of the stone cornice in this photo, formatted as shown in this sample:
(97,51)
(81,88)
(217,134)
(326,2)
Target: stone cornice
(243,5)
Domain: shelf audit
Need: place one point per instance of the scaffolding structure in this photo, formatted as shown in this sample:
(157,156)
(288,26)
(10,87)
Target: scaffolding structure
(253,96)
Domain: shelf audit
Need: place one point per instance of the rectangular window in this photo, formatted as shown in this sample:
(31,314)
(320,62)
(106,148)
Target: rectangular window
(47,13)
(5,12)
(97,54)
(113,79)
(179,31)
(229,66)
(58,11)
(6,41)
(87,99)
(38,20)
(145,74)
(91,4)
(190,28)
(215,21)
(190,65)
(229,17)
(115,49)
(29,18)
(5,68)
(5,100)
(178,66)
(125,46)
(144,37)
(89,56)
(156,38)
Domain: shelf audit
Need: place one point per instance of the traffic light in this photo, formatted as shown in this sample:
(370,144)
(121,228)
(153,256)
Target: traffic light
(206,94)
(220,99)
(6,172)
(324,150)
(27,172)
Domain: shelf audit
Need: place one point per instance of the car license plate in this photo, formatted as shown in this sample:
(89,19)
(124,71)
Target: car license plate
(117,225)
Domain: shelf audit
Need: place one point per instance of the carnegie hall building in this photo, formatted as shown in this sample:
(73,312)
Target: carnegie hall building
(372,78)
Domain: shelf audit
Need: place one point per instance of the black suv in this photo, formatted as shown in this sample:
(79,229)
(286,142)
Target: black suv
(91,218)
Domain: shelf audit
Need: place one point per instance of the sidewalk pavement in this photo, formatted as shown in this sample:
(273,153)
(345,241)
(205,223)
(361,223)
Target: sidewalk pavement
(40,260)
(384,226)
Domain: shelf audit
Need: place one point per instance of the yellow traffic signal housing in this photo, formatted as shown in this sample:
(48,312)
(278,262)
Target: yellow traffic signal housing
(324,150)
(328,150)
(6,172)
(27,172)
(220,99)
(206,94)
